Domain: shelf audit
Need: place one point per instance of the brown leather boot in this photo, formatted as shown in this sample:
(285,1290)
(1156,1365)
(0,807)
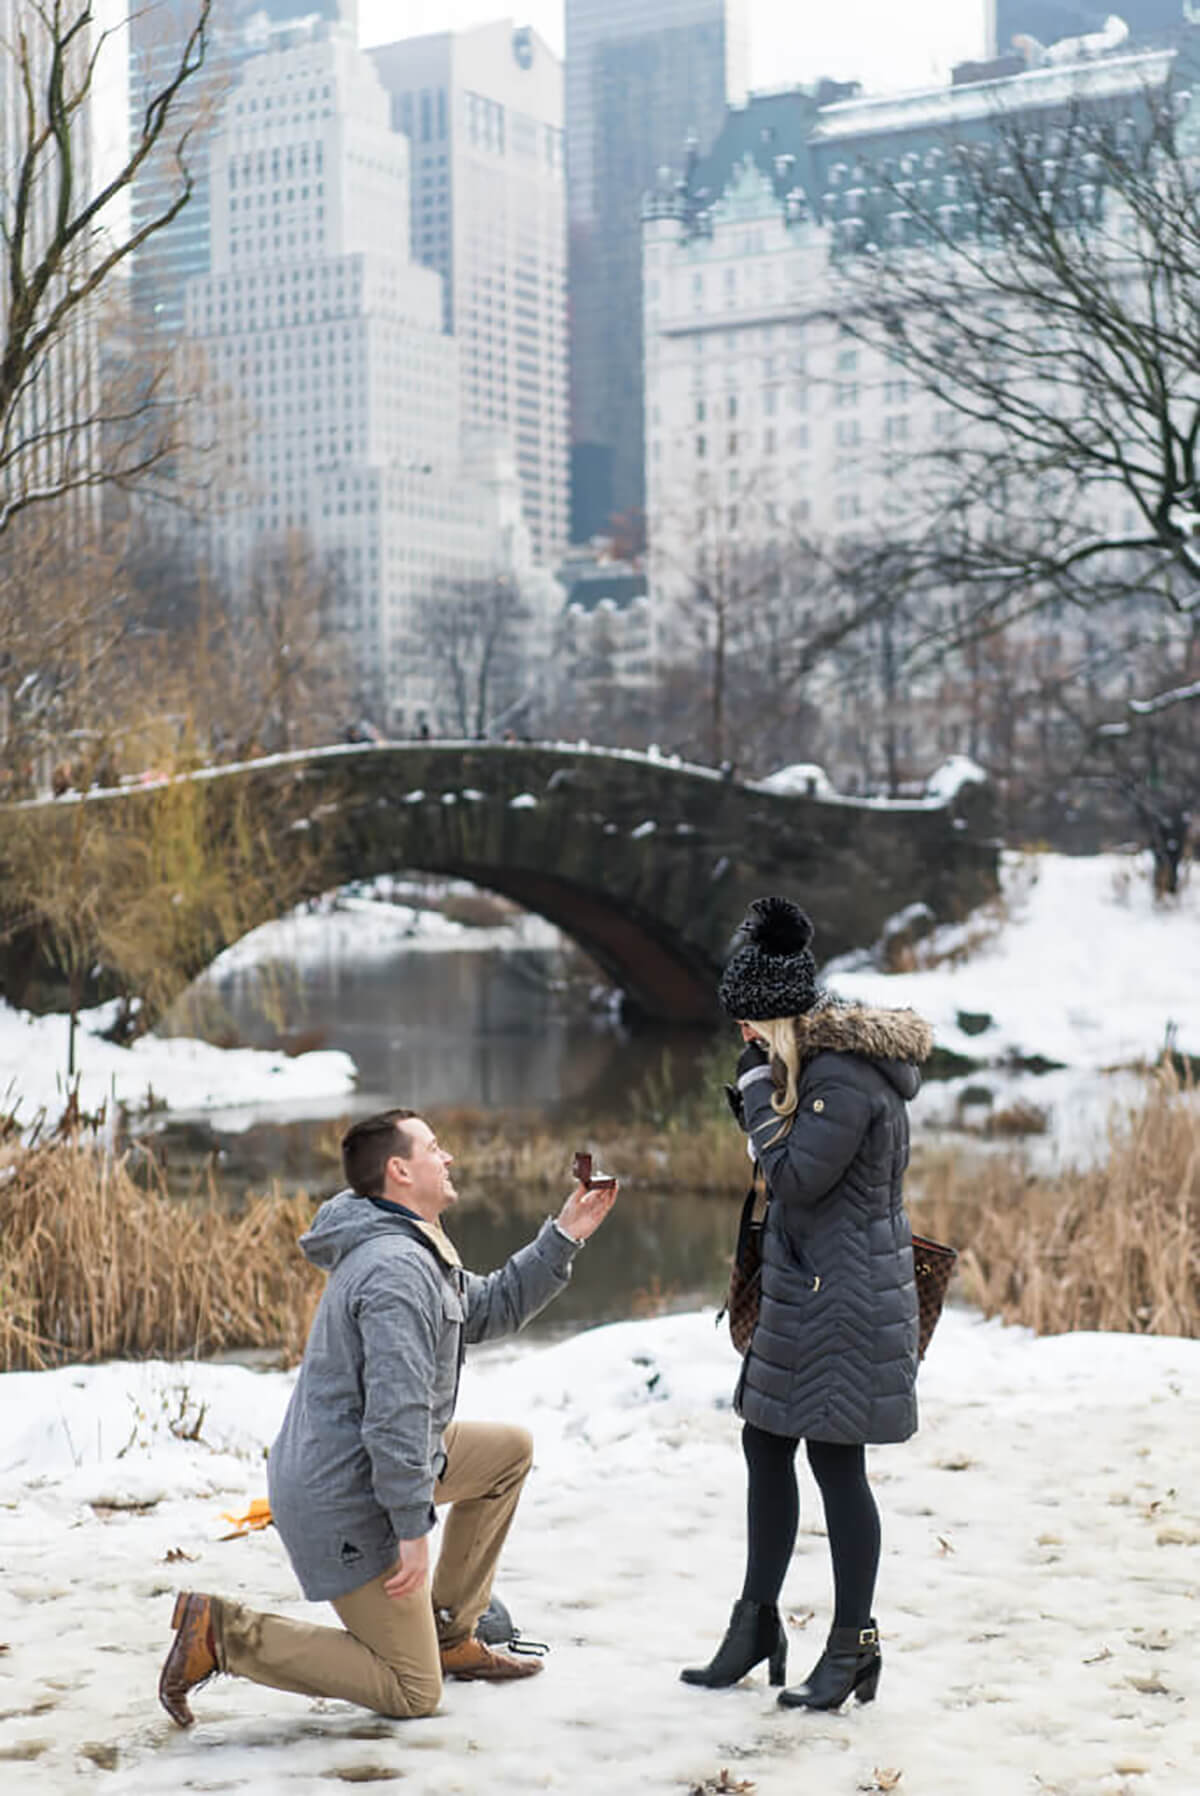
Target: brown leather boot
(192,1659)
(471,1659)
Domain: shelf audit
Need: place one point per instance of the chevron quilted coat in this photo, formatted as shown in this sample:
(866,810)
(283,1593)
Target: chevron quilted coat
(834,1355)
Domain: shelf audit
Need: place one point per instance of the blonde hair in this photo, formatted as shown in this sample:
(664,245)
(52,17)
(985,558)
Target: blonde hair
(779,1033)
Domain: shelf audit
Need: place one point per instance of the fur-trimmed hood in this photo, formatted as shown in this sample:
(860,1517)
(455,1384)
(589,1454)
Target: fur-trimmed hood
(898,1041)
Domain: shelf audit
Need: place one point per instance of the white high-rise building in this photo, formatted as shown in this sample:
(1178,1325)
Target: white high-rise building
(483,112)
(340,387)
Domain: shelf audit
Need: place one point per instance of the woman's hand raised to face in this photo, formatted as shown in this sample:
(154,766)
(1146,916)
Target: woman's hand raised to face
(754,1053)
(585,1210)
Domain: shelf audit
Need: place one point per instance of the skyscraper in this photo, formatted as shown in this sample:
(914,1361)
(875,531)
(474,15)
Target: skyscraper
(158,31)
(340,415)
(643,76)
(483,112)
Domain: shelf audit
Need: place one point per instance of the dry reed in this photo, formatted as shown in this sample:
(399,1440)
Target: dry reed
(1116,1247)
(96,1263)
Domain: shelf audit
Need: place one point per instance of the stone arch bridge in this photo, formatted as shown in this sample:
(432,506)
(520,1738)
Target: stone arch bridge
(647,864)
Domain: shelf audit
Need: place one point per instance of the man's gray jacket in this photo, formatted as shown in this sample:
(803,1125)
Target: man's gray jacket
(360,1449)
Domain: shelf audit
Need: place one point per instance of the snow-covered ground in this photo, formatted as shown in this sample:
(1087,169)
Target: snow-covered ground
(1037,1594)
(362,922)
(175,1073)
(1042,1532)
(1083,968)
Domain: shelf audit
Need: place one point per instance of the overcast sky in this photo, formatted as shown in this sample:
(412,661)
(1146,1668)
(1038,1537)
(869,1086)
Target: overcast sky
(885,44)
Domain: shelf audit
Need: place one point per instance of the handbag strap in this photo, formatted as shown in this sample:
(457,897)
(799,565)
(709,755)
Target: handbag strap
(746,1223)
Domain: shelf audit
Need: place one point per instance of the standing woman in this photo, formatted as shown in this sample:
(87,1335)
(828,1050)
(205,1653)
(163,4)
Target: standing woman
(822,1093)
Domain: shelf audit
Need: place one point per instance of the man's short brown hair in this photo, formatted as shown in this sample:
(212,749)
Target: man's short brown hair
(368,1146)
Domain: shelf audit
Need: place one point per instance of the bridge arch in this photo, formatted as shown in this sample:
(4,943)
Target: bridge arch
(648,865)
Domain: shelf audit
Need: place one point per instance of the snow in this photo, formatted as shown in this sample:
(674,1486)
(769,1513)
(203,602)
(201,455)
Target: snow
(156,1072)
(1087,969)
(803,778)
(351,922)
(174,1073)
(1037,1592)
(1036,1595)
(948,780)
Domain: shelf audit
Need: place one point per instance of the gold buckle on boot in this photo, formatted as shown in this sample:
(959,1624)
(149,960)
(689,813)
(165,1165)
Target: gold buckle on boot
(868,1636)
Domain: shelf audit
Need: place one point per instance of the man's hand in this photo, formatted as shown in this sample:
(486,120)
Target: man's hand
(585,1210)
(412,1568)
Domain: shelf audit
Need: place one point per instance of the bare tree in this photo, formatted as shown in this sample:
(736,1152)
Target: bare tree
(286,656)
(474,635)
(1041,283)
(66,424)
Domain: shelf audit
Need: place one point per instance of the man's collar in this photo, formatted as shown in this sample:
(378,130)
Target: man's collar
(385,1203)
(433,1232)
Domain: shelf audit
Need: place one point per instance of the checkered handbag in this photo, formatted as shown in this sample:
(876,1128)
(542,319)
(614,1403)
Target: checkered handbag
(933,1264)
(745,1275)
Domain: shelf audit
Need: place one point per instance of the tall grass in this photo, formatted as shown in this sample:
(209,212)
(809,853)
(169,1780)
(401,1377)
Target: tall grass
(98,1263)
(1114,1248)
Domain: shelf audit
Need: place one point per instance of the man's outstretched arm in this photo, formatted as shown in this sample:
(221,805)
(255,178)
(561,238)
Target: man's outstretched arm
(506,1299)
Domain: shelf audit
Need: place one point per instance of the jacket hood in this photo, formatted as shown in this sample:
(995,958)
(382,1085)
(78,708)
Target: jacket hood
(896,1041)
(342,1224)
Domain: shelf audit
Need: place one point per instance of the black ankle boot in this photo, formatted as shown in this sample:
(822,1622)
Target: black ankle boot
(755,1632)
(851,1662)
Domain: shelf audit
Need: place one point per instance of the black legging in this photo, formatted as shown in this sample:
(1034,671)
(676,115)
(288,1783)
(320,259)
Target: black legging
(773,1514)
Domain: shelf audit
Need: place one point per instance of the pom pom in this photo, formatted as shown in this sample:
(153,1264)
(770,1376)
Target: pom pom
(777,926)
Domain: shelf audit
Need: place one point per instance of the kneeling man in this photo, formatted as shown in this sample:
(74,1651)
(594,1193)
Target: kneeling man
(368,1447)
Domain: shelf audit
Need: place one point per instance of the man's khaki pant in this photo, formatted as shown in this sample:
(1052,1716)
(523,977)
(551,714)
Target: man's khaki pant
(387,1654)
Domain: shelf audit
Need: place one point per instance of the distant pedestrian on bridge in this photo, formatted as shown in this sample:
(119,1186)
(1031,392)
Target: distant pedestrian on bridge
(368,1446)
(822,1093)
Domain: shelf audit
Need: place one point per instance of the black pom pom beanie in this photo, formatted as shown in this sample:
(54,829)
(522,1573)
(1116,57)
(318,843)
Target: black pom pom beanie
(771,972)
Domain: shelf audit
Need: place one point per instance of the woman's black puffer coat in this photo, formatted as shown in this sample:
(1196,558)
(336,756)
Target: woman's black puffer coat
(834,1355)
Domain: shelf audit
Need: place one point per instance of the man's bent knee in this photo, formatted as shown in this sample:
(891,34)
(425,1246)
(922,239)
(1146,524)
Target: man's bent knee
(414,1698)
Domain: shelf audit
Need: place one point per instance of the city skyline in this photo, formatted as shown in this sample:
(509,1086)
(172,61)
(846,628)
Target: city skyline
(860,40)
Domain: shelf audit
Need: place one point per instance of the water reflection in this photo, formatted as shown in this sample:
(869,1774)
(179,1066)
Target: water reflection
(484,1029)
(656,1251)
(491,1029)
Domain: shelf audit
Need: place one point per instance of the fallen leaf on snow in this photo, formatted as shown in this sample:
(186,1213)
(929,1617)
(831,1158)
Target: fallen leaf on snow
(723,1784)
(1151,1686)
(173,1555)
(800,1621)
(1100,1657)
(885,1778)
(944,1545)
